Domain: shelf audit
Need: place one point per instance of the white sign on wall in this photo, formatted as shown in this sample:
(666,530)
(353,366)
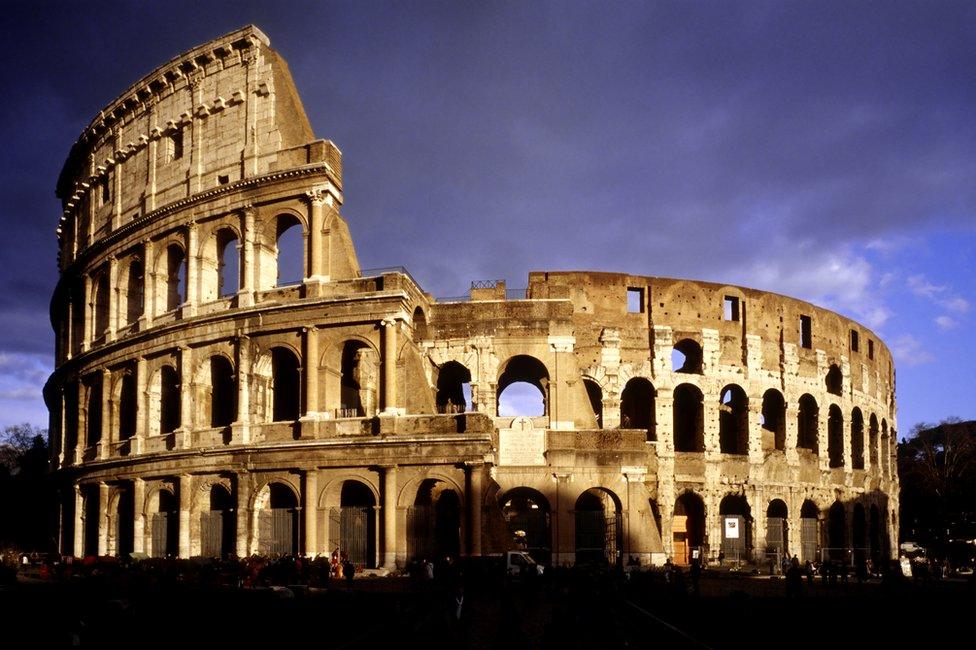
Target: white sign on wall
(522,444)
(731,528)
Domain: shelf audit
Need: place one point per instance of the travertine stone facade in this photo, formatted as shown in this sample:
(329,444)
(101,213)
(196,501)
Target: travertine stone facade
(204,402)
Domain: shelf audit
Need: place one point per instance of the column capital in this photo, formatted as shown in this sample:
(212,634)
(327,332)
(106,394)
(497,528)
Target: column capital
(317,197)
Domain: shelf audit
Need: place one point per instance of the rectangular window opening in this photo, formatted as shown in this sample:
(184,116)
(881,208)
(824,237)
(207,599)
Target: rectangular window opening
(855,342)
(635,301)
(105,193)
(223,179)
(175,146)
(870,349)
(730,308)
(806,332)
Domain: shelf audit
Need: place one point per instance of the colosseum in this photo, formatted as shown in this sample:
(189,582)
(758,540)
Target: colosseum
(229,381)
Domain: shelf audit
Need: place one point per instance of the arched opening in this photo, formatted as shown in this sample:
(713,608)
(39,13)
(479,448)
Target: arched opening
(809,532)
(228,263)
(218,524)
(807,418)
(523,387)
(93,415)
(594,395)
(353,525)
(689,427)
(688,528)
(127,407)
(599,533)
(859,534)
(527,513)
(453,388)
(874,536)
(101,304)
(637,406)
(873,441)
(175,288)
(135,291)
(360,379)
(165,525)
(169,400)
(773,420)
(733,421)
(223,392)
(278,520)
(71,418)
(884,452)
(857,439)
(836,532)
(835,436)
(777,528)
(834,380)
(286,385)
(736,516)
(124,521)
(91,511)
(434,522)
(289,250)
(419,322)
(687,357)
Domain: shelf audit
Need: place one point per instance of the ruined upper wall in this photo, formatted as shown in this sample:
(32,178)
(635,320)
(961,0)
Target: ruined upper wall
(219,113)
(600,300)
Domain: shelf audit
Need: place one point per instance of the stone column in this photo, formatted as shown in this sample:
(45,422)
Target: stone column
(79,527)
(243,487)
(310,489)
(192,271)
(756,454)
(792,430)
(664,417)
(558,401)
(245,296)
(113,298)
(823,438)
(105,440)
(142,410)
(81,425)
(311,365)
(390,326)
(185,496)
(241,428)
(183,437)
(148,285)
(315,273)
(847,422)
(389,517)
(138,521)
(475,499)
(89,314)
(103,518)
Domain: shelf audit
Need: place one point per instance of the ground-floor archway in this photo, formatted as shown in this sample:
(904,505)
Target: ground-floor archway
(277,519)
(527,515)
(837,532)
(218,524)
(736,523)
(809,532)
(599,533)
(124,516)
(777,529)
(688,528)
(352,526)
(164,525)
(434,522)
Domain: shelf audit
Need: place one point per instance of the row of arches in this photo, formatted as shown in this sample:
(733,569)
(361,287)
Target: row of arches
(163,276)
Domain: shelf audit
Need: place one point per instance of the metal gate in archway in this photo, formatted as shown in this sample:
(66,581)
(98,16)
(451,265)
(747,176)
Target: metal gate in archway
(808,539)
(531,528)
(597,537)
(350,528)
(277,531)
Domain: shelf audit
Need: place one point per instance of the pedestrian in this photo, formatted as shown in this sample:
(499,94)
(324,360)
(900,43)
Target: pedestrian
(348,571)
(695,576)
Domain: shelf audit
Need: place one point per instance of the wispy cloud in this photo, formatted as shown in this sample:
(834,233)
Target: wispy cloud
(910,351)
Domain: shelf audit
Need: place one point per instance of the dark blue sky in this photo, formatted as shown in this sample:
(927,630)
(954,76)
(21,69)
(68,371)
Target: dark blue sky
(823,150)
